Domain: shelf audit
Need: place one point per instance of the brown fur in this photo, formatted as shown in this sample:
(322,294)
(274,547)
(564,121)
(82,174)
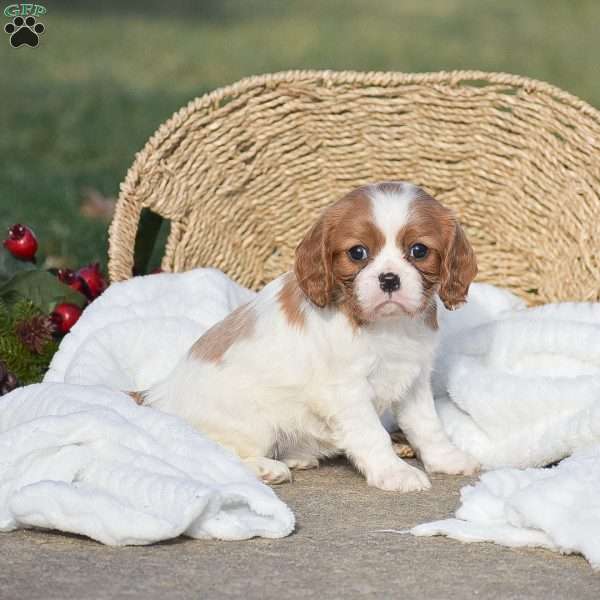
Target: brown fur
(459,269)
(323,269)
(137,396)
(213,345)
(291,298)
(450,265)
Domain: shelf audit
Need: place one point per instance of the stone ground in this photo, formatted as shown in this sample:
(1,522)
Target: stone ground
(336,552)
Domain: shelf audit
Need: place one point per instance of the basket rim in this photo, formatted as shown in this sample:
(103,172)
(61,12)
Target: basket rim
(327,77)
(454,78)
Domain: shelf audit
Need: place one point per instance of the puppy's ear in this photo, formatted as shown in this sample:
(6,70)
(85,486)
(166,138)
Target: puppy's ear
(459,268)
(313,264)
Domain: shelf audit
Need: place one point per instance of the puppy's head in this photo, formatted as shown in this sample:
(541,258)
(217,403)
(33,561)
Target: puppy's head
(383,251)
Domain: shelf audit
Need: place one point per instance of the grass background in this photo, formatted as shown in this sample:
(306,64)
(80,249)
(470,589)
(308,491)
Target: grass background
(75,109)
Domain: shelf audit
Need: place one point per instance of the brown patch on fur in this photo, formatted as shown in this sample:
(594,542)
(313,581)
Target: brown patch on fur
(137,396)
(323,269)
(450,265)
(212,346)
(291,298)
(459,270)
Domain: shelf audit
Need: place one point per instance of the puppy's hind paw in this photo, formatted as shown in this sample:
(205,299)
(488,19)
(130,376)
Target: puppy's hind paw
(451,462)
(301,463)
(399,477)
(268,470)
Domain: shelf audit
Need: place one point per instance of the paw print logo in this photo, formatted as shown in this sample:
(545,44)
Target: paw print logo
(24,31)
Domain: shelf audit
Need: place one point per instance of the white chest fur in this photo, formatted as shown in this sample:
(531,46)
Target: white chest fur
(402,350)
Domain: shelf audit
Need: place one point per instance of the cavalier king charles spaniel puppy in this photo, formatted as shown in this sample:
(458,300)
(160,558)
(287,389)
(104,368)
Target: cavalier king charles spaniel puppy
(307,368)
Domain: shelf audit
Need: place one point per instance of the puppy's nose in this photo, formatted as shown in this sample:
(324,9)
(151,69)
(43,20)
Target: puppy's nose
(389,282)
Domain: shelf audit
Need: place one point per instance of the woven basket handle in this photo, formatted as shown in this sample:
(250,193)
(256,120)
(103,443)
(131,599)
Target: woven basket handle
(121,235)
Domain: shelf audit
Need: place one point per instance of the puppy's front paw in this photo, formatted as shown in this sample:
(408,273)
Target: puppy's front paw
(451,461)
(399,477)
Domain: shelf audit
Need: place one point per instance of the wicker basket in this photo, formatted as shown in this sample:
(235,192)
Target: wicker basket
(242,172)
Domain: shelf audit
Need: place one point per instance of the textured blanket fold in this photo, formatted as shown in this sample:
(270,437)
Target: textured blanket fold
(78,455)
(520,387)
(556,508)
(516,390)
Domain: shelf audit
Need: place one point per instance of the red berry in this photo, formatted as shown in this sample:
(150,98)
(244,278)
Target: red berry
(64,316)
(21,242)
(70,278)
(92,276)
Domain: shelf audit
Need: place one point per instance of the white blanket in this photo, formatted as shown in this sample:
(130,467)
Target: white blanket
(516,387)
(520,387)
(78,455)
(556,508)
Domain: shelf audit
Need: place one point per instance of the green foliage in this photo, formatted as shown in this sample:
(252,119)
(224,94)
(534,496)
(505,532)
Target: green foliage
(26,295)
(10,266)
(29,367)
(106,74)
(41,288)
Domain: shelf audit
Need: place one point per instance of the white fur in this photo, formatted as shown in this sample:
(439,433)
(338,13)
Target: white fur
(390,213)
(286,395)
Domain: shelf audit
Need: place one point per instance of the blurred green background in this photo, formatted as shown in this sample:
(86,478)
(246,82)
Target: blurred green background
(106,74)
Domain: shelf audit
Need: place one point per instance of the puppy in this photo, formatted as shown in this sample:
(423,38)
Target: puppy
(305,370)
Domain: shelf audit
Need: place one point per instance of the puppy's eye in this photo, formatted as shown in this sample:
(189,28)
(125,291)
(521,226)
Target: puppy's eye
(358,253)
(419,251)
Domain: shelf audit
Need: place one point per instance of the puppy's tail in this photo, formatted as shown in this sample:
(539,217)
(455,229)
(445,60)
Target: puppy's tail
(158,395)
(138,397)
